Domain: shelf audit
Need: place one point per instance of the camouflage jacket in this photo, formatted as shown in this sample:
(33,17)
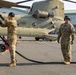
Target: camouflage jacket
(66,32)
(11,28)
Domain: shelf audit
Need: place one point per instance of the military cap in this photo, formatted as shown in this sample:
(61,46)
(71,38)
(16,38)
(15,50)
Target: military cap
(66,18)
(11,14)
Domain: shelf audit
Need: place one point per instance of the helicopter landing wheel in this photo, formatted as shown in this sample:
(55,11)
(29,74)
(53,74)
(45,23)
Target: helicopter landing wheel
(37,38)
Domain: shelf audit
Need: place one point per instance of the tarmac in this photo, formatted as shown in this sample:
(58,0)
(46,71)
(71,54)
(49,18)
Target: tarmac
(45,51)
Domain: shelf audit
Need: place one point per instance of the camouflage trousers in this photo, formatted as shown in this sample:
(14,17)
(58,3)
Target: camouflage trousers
(66,51)
(12,48)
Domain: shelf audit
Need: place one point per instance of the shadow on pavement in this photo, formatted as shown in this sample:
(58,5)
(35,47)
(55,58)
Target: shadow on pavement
(49,63)
(28,64)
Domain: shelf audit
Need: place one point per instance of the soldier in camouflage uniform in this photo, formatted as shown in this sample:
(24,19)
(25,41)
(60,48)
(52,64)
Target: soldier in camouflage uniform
(11,25)
(66,32)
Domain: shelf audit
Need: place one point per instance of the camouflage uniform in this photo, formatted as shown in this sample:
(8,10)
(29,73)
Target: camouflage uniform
(11,36)
(66,32)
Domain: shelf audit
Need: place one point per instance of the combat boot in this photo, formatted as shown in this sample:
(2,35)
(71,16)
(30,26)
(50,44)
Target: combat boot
(13,64)
(66,62)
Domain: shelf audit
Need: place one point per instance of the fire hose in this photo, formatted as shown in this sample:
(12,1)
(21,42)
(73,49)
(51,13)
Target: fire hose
(40,62)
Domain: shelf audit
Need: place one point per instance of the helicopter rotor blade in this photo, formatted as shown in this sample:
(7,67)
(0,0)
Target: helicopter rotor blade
(6,4)
(11,4)
(70,1)
(23,1)
(28,7)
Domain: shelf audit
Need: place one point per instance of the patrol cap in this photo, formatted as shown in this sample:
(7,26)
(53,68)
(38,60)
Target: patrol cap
(11,14)
(66,18)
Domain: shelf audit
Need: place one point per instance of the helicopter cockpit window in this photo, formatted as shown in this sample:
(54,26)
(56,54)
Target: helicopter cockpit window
(42,14)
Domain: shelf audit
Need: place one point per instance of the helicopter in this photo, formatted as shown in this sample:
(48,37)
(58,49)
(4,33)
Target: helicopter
(43,18)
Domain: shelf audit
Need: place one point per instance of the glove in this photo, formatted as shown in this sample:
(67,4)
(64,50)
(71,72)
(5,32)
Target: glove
(58,40)
(72,37)
(1,17)
(0,23)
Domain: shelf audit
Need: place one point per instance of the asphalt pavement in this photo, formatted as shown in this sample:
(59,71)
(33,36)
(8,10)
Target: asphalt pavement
(44,51)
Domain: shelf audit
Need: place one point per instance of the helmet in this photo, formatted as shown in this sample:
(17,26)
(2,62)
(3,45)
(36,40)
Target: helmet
(66,18)
(11,14)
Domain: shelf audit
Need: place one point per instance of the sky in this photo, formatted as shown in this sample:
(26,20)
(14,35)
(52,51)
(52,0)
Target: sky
(67,5)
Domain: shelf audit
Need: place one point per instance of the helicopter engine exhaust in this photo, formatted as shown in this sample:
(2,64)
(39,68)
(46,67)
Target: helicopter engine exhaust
(42,14)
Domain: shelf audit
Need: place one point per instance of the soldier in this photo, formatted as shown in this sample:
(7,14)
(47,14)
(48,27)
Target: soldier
(11,25)
(66,32)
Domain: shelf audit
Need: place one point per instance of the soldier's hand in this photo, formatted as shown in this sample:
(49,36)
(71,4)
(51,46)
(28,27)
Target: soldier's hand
(58,40)
(72,37)
(0,23)
(1,17)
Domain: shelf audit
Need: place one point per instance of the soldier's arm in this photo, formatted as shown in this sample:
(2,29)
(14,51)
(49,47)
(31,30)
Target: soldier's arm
(3,21)
(73,31)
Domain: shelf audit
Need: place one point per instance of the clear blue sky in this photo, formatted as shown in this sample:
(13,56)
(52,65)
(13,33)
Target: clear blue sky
(67,5)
